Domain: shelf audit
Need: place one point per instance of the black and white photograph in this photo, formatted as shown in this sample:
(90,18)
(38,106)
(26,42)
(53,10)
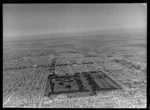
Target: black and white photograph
(75,55)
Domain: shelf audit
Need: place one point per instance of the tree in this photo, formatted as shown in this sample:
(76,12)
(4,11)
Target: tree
(61,83)
(68,86)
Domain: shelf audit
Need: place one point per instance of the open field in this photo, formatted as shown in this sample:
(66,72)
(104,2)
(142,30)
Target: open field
(76,72)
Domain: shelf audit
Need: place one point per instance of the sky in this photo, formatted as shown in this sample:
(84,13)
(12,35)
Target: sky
(29,20)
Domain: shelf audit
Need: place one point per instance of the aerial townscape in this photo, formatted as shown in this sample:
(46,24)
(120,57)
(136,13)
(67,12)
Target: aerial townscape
(74,55)
(43,76)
